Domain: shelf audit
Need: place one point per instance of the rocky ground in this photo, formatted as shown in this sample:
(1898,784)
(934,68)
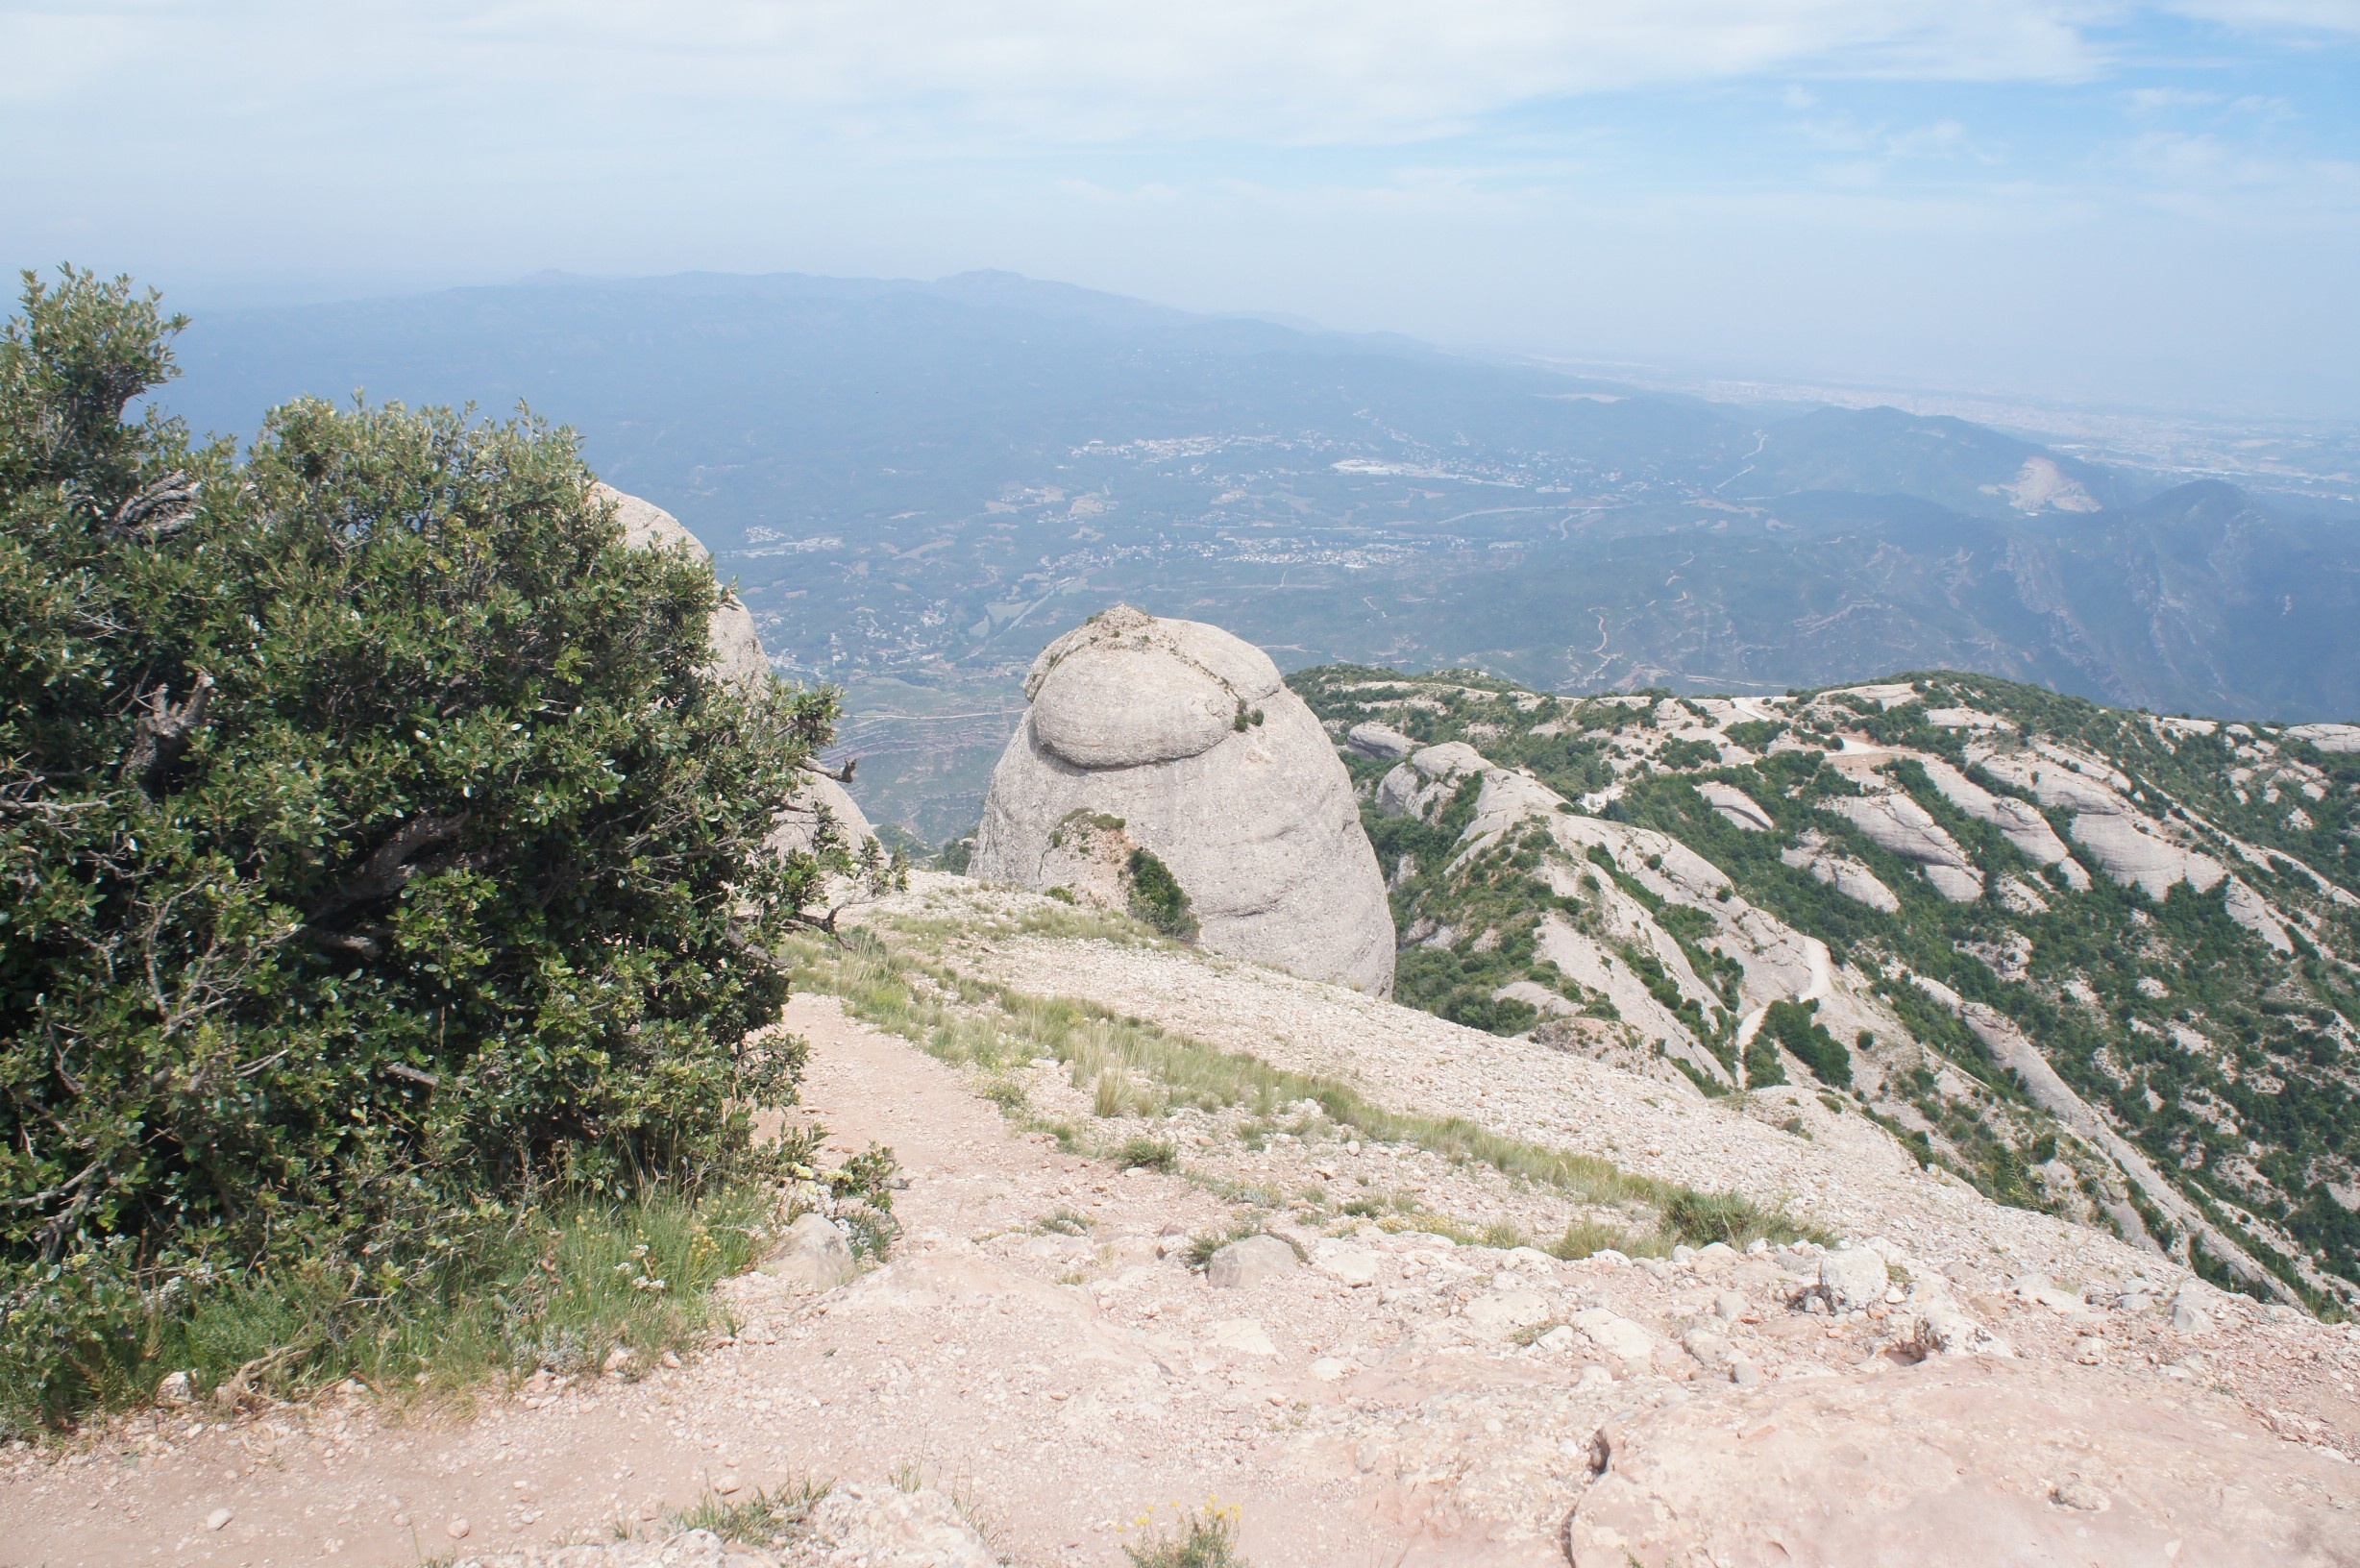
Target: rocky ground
(1041,1350)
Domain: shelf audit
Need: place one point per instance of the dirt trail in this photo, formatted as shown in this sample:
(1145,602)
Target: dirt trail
(1397,1400)
(963,1360)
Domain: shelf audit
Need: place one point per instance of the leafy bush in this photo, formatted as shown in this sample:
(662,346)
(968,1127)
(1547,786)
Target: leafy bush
(381,849)
(1796,1026)
(1157,897)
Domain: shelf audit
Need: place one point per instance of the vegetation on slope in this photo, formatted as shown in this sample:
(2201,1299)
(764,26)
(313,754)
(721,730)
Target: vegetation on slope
(382,901)
(2234,1066)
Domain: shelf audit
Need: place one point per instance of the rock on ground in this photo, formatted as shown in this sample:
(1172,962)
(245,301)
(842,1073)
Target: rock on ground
(813,1255)
(1243,1264)
(1975,1460)
(1183,735)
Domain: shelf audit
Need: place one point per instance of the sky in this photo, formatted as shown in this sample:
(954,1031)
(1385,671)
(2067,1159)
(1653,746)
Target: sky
(2146,206)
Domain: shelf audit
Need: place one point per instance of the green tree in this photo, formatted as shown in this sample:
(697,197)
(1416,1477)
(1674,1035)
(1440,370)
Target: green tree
(377,845)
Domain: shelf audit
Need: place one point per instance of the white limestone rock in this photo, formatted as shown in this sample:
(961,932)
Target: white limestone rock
(884,1527)
(1374,740)
(812,1256)
(2329,737)
(2017,821)
(738,657)
(1736,805)
(797,827)
(2127,844)
(1245,1263)
(1184,735)
(1894,822)
(737,647)
(1812,853)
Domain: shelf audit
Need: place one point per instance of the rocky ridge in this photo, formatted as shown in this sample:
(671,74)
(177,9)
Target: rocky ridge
(1990,902)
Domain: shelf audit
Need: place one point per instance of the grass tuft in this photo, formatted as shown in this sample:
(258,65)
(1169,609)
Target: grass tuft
(1207,1538)
(511,1291)
(764,1519)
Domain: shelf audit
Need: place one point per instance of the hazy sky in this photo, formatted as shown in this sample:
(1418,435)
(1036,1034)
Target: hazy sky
(2145,204)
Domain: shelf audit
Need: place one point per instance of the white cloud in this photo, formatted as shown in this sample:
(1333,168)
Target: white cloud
(1304,72)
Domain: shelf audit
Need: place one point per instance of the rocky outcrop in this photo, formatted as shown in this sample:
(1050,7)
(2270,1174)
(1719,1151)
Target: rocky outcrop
(1812,853)
(2127,844)
(1892,821)
(738,657)
(2017,821)
(1181,737)
(737,647)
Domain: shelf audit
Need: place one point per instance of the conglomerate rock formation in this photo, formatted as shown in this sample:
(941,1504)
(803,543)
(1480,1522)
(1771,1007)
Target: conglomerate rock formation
(1175,738)
(737,654)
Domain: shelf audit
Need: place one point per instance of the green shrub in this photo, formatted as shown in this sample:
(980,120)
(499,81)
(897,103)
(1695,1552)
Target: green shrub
(382,852)
(1157,897)
(1147,1154)
(1796,1026)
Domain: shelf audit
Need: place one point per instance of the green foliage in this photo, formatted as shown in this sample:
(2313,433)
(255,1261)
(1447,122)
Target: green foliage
(1157,897)
(1796,1026)
(382,850)
(1146,1154)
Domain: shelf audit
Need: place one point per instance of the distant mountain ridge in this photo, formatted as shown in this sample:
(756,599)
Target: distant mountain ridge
(931,481)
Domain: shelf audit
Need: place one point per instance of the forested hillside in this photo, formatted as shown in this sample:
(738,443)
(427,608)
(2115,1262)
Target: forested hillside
(2094,960)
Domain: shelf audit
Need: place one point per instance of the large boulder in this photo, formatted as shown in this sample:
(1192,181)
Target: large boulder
(738,657)
(1177,738)
(737,647)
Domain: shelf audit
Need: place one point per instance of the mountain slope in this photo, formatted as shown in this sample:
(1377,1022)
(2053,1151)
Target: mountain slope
(2098,961)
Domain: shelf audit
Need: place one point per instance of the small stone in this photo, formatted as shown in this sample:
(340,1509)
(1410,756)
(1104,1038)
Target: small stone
(671,1359)
(1244,1264)
(1712,1352)
(727,1485)
(1594,1376)
(1852,1279)
(813,1255)
(1559,1337)
(1743,1372)
(176,1391)
(2090,1350)
(619,1358)
(2189,1320)
(218,1518)
(2081,1494)
(1729,1306)
(457,1530)
(1327,1370)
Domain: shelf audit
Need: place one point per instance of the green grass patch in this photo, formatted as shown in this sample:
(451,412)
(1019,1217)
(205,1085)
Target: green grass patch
(962,1019)
(557,1286)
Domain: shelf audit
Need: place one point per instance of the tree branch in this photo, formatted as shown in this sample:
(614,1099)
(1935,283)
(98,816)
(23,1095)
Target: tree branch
(387,872)
(164,732)
(158,512)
